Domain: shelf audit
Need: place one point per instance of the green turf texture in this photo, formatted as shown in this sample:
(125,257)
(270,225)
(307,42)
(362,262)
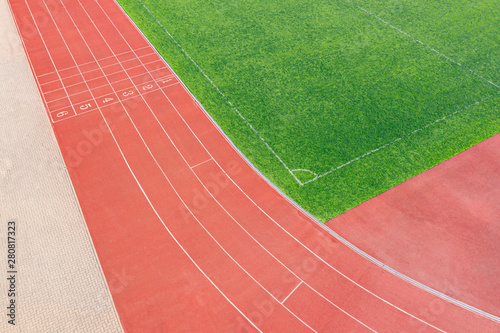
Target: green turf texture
(325,83)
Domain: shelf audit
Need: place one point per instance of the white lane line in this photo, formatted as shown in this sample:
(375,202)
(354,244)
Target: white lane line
(266,213)
(194,166)
(93,70)
(48,53)
(97,78)
(90,62)
(255,204)
(222,94)
(72,57)
(422,43)
(364,255)
(283,301)
(313,253)
(50,119)
(137,181)
(45,74)
(59,151)
(168,230)
(105,85)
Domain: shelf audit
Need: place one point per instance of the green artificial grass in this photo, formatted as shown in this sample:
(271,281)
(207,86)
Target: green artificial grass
(340,96)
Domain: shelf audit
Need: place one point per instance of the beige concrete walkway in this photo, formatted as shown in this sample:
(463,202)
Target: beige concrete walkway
(59,283)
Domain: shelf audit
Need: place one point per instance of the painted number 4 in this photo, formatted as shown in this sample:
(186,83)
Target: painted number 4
(108,99)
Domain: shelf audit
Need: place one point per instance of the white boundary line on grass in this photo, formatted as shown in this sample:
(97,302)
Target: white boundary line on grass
(291,171)
(396,140)
(420,42)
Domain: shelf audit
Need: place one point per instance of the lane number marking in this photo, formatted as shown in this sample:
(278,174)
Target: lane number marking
(85,106)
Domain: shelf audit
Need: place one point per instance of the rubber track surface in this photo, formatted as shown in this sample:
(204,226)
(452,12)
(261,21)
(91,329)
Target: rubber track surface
(440,227)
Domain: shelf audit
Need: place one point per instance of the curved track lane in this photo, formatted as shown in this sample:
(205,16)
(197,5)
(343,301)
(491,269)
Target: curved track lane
(189,235)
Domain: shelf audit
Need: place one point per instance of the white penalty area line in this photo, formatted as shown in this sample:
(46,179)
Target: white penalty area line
(398,139)
(316,176)
(422,43)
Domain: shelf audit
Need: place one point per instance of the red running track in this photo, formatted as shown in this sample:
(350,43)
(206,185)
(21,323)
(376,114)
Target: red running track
(440,227)
(189,236)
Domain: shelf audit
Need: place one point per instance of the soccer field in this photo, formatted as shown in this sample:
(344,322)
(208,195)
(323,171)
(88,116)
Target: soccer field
(336,101)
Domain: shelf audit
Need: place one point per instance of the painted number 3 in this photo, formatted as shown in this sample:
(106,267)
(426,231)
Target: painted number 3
(128,93)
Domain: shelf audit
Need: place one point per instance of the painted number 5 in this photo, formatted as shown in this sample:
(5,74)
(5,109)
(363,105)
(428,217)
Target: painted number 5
(85,106)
